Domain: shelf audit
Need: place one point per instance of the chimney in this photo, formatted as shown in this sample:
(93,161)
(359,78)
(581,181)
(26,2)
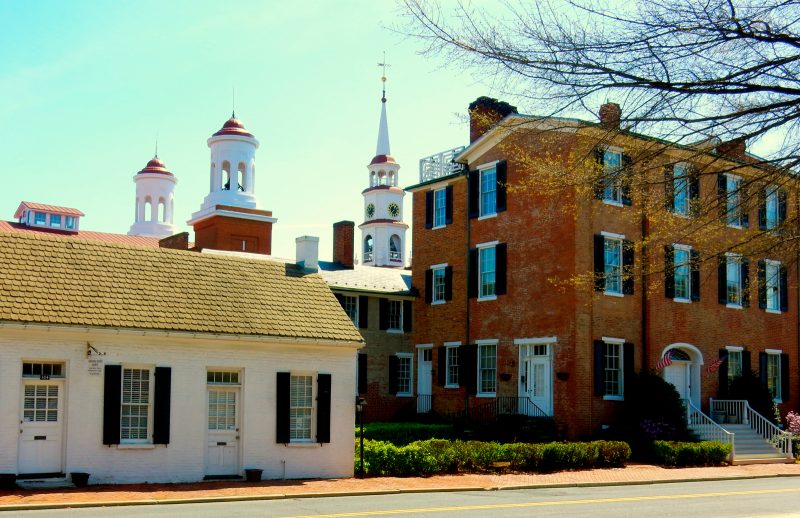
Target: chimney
(343,233)
(736,148)
(307,252)
(177,242)
(610,115)
(484,113)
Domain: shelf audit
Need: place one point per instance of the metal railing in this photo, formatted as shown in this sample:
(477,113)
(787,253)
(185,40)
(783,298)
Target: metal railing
(368,256)
(440,165)
(740,408)
(424,403)
(394,256)
(706,428)
(505,405)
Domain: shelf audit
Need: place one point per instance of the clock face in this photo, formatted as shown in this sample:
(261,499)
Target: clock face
(394,210)
(370,210)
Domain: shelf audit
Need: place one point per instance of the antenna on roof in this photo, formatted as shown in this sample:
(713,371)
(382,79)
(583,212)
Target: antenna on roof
(383,77)
(233,102)
(156,155)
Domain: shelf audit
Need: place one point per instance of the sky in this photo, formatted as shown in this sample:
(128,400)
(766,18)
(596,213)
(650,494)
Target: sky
(88,85)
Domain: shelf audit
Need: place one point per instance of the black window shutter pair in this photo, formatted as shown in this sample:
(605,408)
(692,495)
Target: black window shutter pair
(283,408)
(448,284)
(112,404)
(628,363)
(600,265)
(407,316)
(362,373)
(501,170)
(501,269)
(785,385)
(722,280)
(393,366)
(468,367)
(383,314)
(363,312)
(448,207)
(441,365)
(693,184)
(669,273)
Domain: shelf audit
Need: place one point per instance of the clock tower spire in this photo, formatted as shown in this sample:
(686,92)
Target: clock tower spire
(383,233)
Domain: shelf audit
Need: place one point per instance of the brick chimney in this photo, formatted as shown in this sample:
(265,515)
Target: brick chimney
(736,148)
(343,235)
(610,115)
(177,241)
(485,112)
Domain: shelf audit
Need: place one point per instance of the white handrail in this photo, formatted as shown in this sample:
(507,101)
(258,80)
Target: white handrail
(706,428)
(781,439)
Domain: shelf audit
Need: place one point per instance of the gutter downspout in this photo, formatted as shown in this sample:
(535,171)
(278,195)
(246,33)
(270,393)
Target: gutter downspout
(466,285)
(645,269)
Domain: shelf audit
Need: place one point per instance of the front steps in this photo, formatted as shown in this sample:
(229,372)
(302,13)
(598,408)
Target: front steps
(751,448)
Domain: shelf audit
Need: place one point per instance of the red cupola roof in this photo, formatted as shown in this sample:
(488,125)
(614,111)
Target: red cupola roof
(155,165)
(383,159)
(233,126)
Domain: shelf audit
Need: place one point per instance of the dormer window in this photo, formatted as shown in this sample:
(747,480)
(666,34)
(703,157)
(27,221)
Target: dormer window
(55,220)
(39,218)
(48,216)
(69,222)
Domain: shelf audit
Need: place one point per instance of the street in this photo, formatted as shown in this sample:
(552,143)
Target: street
(742,498)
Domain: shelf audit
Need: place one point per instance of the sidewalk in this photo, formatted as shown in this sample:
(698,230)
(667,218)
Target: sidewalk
(106,495)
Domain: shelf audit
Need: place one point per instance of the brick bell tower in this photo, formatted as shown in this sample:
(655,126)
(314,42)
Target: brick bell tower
(230,217)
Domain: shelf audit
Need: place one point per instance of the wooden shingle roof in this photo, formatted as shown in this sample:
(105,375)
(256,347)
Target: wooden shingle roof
(45,279)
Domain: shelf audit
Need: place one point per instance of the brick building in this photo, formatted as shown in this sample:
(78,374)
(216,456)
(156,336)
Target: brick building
(498,260)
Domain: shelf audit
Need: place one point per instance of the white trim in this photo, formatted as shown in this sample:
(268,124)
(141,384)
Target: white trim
(734,348)
(487,297)
(733,176)
(203,215)
(613,203)
(136,446)
(613,149)
(612,235)
(542,340)
(682,300)
(487,216)
(612,340)
(487,165)
(734,306)
(437,266)
(487,341)
(424,346)
(773,311)
(451,344)
(680,246)
(732,254)
(773,351)
(488,244)
(613,294)
(614,398)
(410,392)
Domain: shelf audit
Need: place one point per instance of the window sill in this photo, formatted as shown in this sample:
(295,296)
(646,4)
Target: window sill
(438,227)
(303,444)
(487,216)
(613,294)
(613,203)
(734,306)
(451,386)
(684,215)
(734,226)
(134,446)
(438,302)
(403,394)
(774,311)
(613,398)
(395,331)
(487,394)
(682,301)
(488,297)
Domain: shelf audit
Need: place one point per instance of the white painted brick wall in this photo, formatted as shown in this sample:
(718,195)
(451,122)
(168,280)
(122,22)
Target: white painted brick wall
(184,458)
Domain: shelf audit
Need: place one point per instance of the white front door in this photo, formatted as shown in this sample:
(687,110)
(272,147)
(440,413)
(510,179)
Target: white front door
(424,379)
(41,427)
(536,382)
(678,375)
(223,431)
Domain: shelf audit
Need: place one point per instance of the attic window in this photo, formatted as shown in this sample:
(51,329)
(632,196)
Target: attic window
(69,222)
(55,220)
(39,218)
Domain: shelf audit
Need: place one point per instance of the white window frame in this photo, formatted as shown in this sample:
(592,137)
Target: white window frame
(312,408)
(738,352)
(345,299)
(771,200)
(483,213)
(776,289)
(448,347)
(440,206)
(619,345)
(392,329)
(774,355)
(410,358)
(438,270)
(53,218)
(480,345)
(618,239)
(36,221)
(151,386)
(481,247)
(612,181)
(70,222)
(688,265)
(731,258)
(733,201)
(680,186)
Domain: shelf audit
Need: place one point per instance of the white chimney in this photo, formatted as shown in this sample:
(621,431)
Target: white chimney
(307,252)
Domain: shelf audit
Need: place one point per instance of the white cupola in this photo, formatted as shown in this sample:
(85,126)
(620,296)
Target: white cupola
(155,201)
(383,233)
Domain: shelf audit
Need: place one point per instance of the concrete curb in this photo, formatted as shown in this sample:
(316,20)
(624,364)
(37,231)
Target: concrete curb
(331,494)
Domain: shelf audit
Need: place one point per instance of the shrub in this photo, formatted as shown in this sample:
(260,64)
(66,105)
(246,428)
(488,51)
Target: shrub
(653,409)
(706,453)
(406,433)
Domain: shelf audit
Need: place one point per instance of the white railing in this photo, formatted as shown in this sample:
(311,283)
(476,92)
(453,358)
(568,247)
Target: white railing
(706,428)
(740,408)
(439,165)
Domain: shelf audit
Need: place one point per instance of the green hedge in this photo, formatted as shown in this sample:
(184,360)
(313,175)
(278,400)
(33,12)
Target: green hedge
(706,453)
(441,456)
(406,433)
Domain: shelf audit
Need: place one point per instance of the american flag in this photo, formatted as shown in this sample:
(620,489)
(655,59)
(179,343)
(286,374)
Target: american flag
(713,366)
(665,361)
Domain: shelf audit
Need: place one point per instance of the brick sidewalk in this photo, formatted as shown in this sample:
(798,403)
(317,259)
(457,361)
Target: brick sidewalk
(152,493)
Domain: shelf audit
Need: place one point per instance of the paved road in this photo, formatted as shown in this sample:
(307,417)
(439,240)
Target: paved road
(742,498)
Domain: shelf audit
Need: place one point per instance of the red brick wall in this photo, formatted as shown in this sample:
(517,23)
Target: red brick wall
(227,233)
(343,235)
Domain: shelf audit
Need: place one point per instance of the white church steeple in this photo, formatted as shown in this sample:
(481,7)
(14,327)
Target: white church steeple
(383,233)
(154,200)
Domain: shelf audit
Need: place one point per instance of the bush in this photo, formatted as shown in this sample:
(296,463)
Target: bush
(422,458)
(653,409)
(406,433)
(706,453)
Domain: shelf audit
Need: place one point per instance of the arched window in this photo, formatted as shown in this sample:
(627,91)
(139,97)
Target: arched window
(148,209)
(372,179)
(382,178)
(240,176)
(391,178)
(226,176)
(394,248)
(162,210)
(368,248)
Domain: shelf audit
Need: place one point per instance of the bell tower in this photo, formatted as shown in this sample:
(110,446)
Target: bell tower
(383,233)
(230,217)
(154,200)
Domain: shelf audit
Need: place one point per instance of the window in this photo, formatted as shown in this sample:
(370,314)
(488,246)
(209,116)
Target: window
(772,215)
(487,369)
(135,411)
(350,305)
(55,220)
(222,377)
(394,248)
(42,370)
(682,273)
(438,294)
(487,273)
(734,363)
(404,361)
(733,203)
(451,376)
(395,308)
(488,191)
(612,250)
(222,409)
(612,165)
(439,208)
(681,189)
(39,218)
(40,404)
(368,249)
(772,277)
(613,370)
(301,406)
(734,280)
(774,375)
(69,222)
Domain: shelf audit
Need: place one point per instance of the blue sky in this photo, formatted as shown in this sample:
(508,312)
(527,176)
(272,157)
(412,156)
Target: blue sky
(87,85)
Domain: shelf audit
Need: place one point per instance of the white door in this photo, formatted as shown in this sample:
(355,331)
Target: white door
(41,427)
(223,432)
(678,375)
(424,379)
(536,383)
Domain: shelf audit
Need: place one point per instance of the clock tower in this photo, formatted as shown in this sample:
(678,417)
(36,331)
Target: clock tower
(383,233)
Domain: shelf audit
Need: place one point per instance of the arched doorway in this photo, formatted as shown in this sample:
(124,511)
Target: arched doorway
(684,371)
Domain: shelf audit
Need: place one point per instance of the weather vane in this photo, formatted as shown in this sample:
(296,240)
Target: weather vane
(383,77)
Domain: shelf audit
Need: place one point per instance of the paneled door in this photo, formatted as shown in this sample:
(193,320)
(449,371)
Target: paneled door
(41,427)
(223,431)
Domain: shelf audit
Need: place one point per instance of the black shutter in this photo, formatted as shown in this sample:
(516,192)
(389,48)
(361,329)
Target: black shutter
(441,373)
(722,196)
(669,188)
(428,286)
(762,368)
(393,364)
(448,206)
(722,279)
(627,267)
(626,178)
(761,273)
(472,274)
(468,374)
(474,193)
(784,288)
(747,368)
(383,314)
(694,191)
(500,255)
(785,395)
(599,368)
(448,283)
(282,408)
(628,366)
(762,209)
(745,269)
(694,256)
(429,209)
(362,373)
(162,392)
(407,316)
(599,263)
(363,312)
(744,205)
(323,408)
(112,403)
(722,393)
(781,207)
(502,180)
(599,183)
(669,271)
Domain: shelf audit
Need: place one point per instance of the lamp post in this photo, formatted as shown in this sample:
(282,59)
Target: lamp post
(360,404)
